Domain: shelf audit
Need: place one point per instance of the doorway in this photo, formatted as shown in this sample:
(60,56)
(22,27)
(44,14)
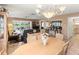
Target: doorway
(72,26)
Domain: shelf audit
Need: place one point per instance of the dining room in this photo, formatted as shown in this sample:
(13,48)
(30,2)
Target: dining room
(36,29)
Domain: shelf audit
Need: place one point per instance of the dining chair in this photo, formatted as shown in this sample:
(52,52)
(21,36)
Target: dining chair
(2,49)
(59,36)
(31,37)
(65,48)
(2,52)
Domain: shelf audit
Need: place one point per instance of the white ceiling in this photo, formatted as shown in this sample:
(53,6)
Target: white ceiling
(28,10)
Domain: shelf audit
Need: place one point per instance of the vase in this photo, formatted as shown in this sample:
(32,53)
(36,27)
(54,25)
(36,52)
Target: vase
(44,39)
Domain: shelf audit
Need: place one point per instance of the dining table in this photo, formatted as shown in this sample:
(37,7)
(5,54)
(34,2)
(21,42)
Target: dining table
(53,47)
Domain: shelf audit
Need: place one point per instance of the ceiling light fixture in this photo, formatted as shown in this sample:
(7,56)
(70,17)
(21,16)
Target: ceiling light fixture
(49,11)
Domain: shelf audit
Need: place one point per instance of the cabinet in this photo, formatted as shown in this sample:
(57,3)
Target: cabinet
(3,33)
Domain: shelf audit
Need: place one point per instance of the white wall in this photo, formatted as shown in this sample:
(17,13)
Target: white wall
(70,27)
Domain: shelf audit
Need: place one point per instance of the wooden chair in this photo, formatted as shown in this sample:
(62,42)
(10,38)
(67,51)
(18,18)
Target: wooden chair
(65,48)
(2,49)
(31,38)
(59,36)
(2,52)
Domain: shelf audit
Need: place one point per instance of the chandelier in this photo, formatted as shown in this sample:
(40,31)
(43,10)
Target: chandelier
(49,11)
(2,9)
